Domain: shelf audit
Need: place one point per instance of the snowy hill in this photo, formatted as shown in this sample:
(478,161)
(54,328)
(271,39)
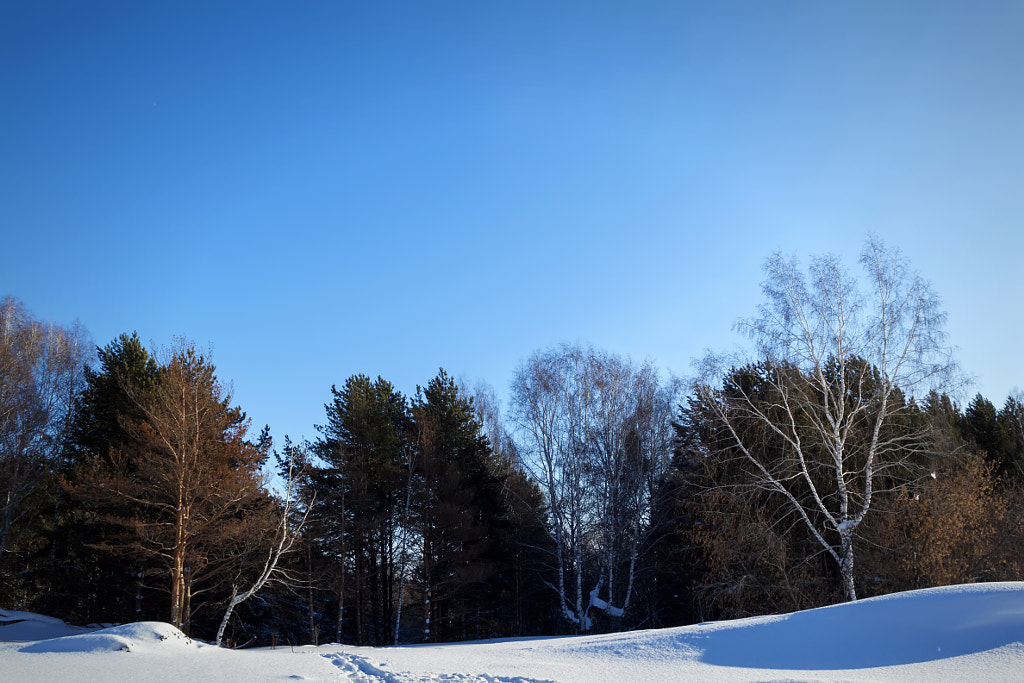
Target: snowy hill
(972,632)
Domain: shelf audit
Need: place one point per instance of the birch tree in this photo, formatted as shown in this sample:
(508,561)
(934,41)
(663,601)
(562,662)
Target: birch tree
(284,538)
(596,433)
(838,364)
(41,368)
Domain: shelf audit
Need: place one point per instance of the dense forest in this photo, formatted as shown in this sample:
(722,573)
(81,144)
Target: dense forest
(833,462)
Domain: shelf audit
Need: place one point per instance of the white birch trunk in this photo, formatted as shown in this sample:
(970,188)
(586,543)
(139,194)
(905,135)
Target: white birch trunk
(286,538)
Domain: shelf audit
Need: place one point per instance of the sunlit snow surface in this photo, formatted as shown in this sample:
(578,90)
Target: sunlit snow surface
(964,633)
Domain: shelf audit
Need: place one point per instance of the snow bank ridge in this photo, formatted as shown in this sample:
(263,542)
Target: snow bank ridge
(144,635)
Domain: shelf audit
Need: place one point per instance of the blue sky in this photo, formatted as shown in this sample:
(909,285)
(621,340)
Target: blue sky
(324,188)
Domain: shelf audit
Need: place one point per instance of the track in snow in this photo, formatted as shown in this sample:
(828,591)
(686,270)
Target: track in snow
(360,669)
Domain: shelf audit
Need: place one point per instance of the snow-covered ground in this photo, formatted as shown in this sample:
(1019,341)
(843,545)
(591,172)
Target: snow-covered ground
(972,632)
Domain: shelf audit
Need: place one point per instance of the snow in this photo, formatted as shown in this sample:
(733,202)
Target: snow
(127,638)
(30,626)
(971,632)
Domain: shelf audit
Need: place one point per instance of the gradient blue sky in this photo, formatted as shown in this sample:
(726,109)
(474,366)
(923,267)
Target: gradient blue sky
(324,188)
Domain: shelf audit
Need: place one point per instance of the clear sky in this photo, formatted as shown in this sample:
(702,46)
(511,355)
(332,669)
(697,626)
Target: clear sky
(319,189)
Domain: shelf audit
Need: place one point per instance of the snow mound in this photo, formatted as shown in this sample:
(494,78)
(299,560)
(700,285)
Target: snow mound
(964,632)
(144,635)
(971,632)
(903,628)
(17,627)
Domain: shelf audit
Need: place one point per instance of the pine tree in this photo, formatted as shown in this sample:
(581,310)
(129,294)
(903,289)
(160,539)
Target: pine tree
(458,506)
(186,492)
(363,487)
(88,584)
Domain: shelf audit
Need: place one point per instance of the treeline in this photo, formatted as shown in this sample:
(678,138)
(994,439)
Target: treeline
(831,465)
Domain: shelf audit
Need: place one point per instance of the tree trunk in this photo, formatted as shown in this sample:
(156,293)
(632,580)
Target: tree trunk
(404,560)
(846,568)
(341,604)
(360,639)
(177,588)
(341,583)
(313,634)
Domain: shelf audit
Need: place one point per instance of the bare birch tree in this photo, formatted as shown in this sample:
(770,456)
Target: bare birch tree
(838,364)
(41,372)
(596,433)
(284,538)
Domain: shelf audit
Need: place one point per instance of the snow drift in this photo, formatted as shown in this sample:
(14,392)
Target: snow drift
(954,633)
(903,628)
(20,626)
(126,638)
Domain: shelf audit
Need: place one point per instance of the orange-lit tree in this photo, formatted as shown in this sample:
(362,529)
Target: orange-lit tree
(187,490)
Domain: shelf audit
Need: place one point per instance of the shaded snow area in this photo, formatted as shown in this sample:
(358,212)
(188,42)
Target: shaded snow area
(972,632)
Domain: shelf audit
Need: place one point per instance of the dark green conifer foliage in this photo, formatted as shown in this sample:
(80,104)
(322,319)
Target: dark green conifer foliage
(980,426)
(459,503)
(87,584)
(754,555)
(185,494)
(419,520)
(363,490)
(104,406)
(1010,423)
(522,548)
(1000,434)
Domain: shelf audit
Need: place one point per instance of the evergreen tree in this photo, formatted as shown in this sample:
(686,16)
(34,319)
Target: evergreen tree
(522,549)
(88,584)
(187,492)
(524,568)
(1010,423)
(105,407)
(981,427)
(363,490)
(999,434)
(457,505)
